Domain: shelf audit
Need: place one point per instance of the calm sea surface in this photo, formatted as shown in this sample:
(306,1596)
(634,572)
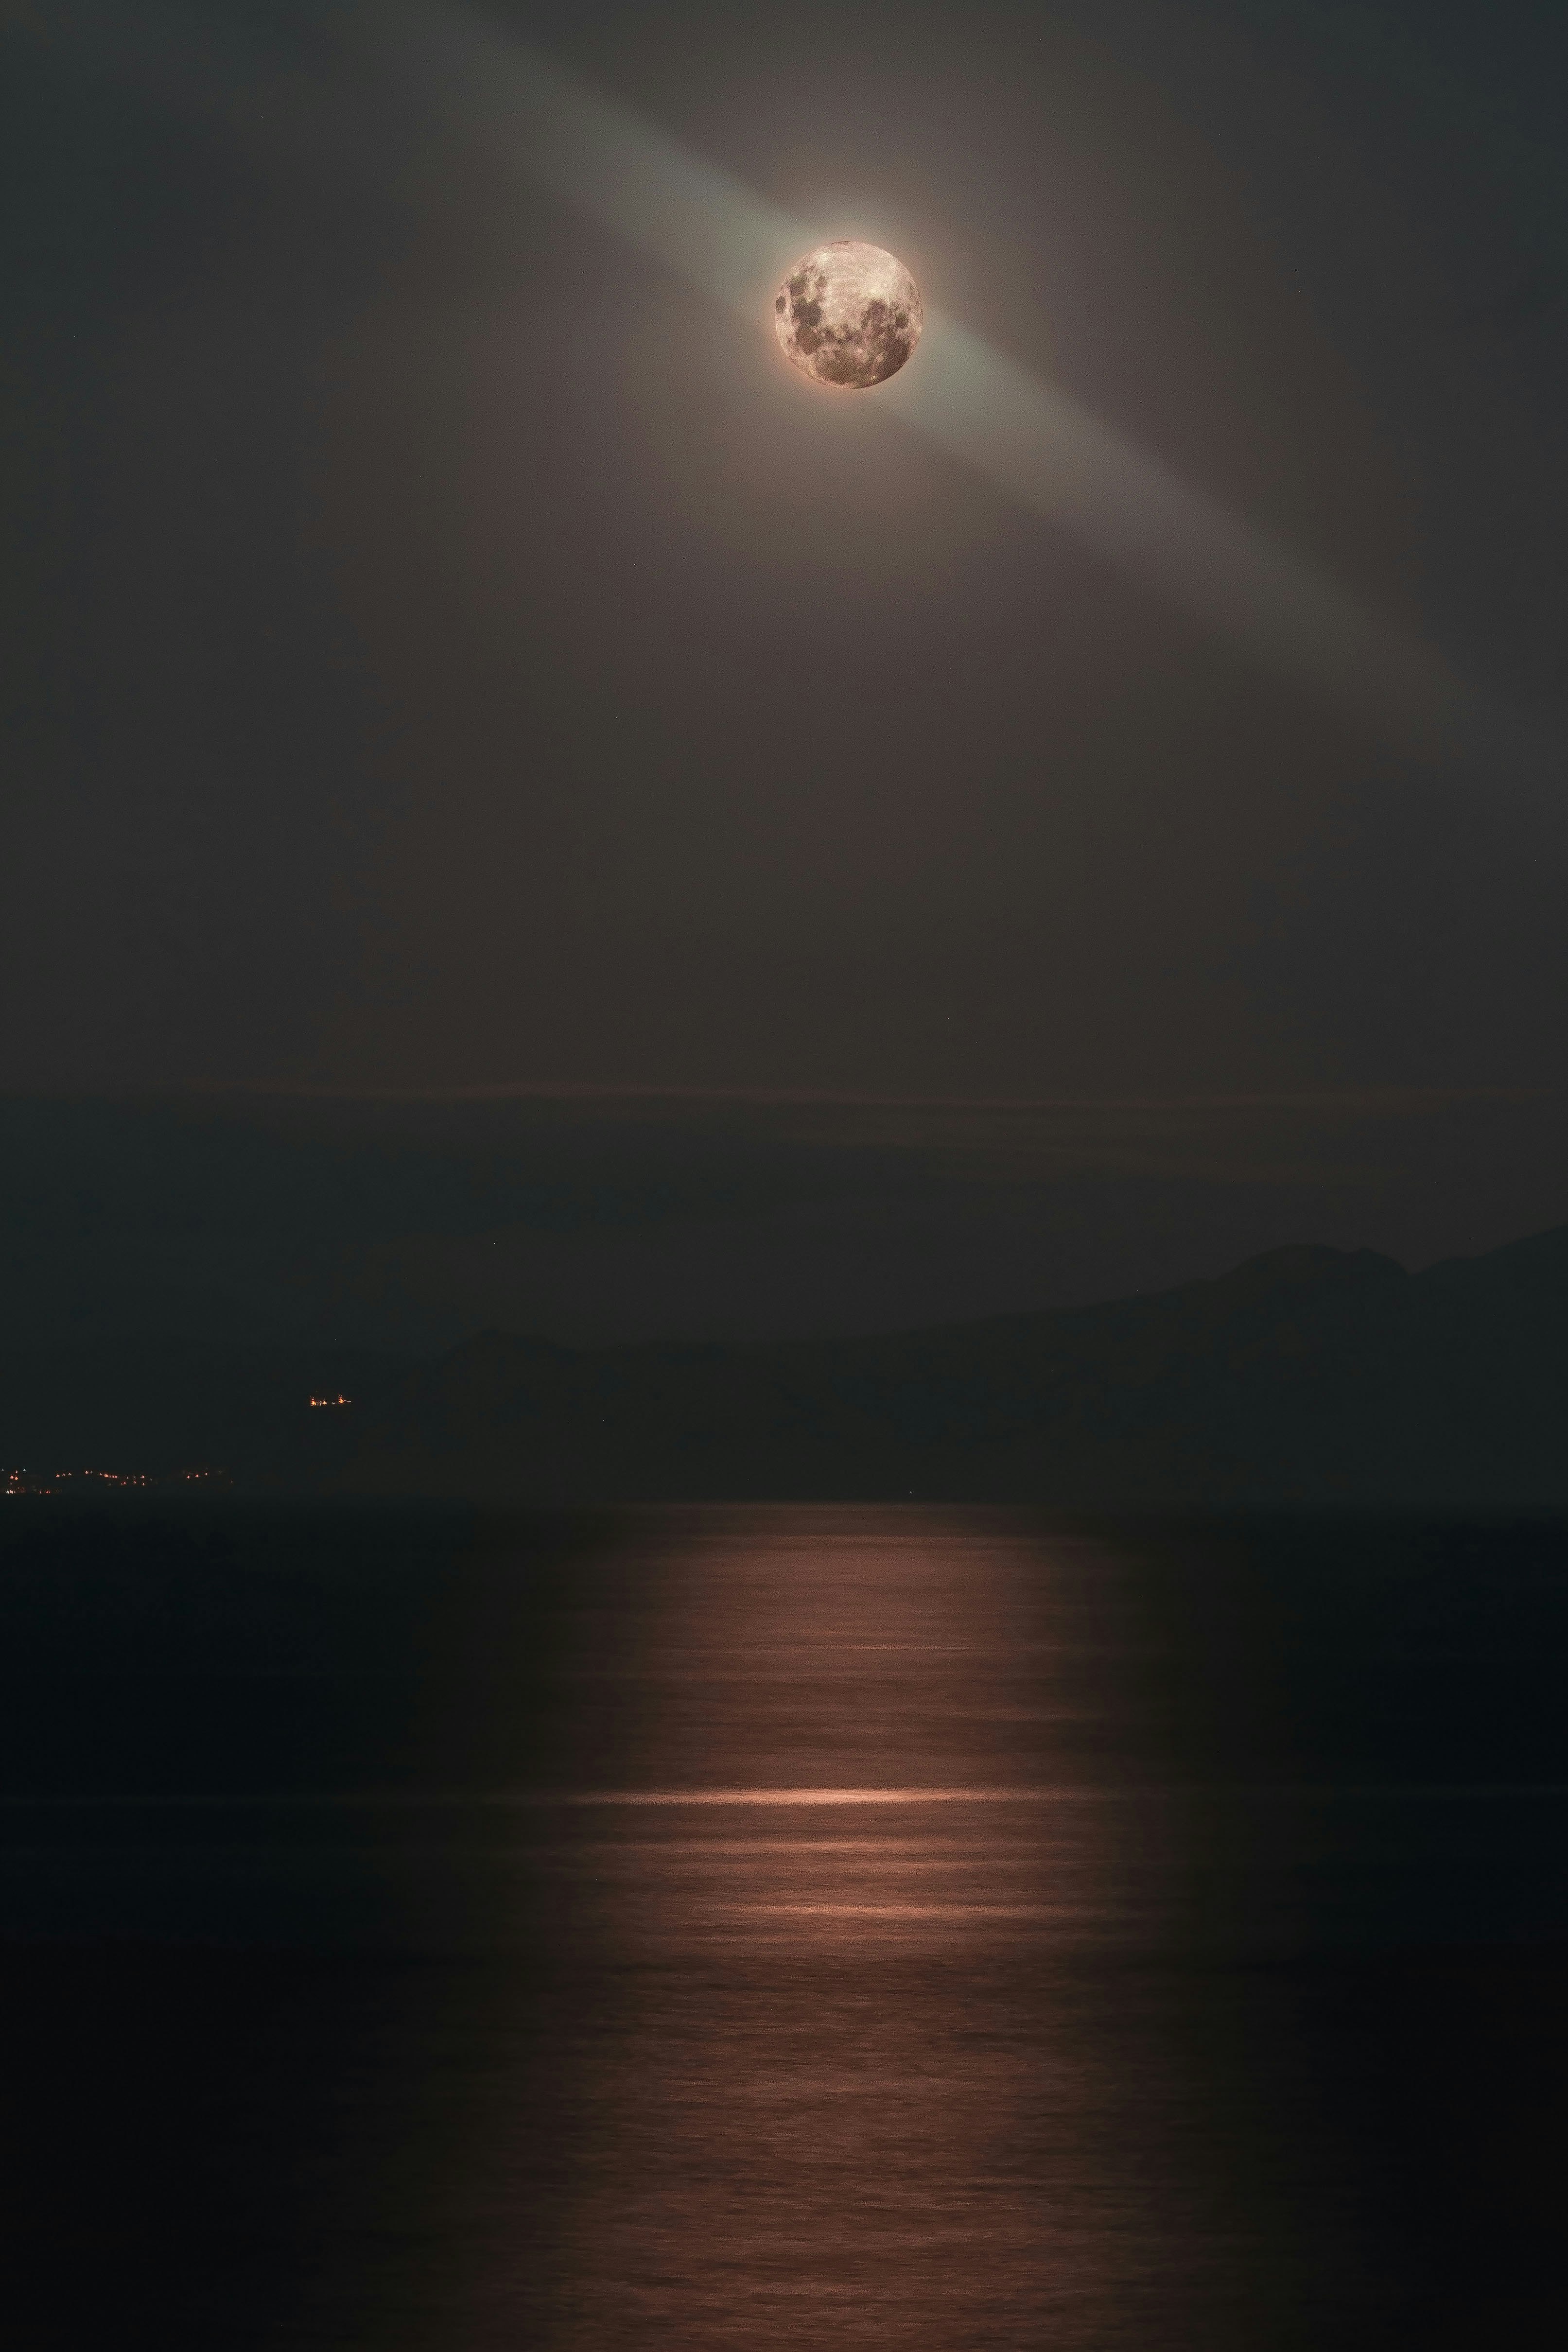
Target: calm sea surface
(780,1928)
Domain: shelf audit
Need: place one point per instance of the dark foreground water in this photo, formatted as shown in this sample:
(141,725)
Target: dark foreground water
(781,1928)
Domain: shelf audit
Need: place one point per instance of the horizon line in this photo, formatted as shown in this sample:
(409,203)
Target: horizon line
(1393,1097)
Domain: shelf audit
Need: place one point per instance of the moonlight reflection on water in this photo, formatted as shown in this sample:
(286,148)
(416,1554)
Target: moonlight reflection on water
(782,1927)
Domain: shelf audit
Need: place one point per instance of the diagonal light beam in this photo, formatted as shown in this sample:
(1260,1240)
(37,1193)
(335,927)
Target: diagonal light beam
(533,118)
(1027,438)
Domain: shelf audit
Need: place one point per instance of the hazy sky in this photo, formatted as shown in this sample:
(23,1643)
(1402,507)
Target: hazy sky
(451,652)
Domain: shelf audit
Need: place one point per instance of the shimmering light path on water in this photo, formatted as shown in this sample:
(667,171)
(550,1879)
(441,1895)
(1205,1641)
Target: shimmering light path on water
(781,1928)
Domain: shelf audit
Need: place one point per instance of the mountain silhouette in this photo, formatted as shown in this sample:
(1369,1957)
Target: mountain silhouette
(1306,1377)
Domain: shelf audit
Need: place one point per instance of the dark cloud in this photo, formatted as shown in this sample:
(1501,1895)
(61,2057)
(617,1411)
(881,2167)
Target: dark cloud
(596,1215)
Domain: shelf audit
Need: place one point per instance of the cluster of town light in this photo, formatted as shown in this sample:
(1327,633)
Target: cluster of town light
(37,1482)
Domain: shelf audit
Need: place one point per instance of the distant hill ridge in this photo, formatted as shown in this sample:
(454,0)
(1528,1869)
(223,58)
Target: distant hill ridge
(1305,1376)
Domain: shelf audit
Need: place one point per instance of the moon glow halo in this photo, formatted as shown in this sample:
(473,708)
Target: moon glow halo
(848,314)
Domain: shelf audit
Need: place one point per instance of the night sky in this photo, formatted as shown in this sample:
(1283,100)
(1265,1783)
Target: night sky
(451,653)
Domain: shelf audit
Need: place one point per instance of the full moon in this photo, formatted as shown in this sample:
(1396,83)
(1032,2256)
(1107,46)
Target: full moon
(848,314)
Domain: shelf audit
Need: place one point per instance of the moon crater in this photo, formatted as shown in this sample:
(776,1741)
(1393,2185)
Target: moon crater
(848,314)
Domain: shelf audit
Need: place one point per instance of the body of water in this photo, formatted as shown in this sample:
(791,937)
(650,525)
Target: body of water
(778,1928)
